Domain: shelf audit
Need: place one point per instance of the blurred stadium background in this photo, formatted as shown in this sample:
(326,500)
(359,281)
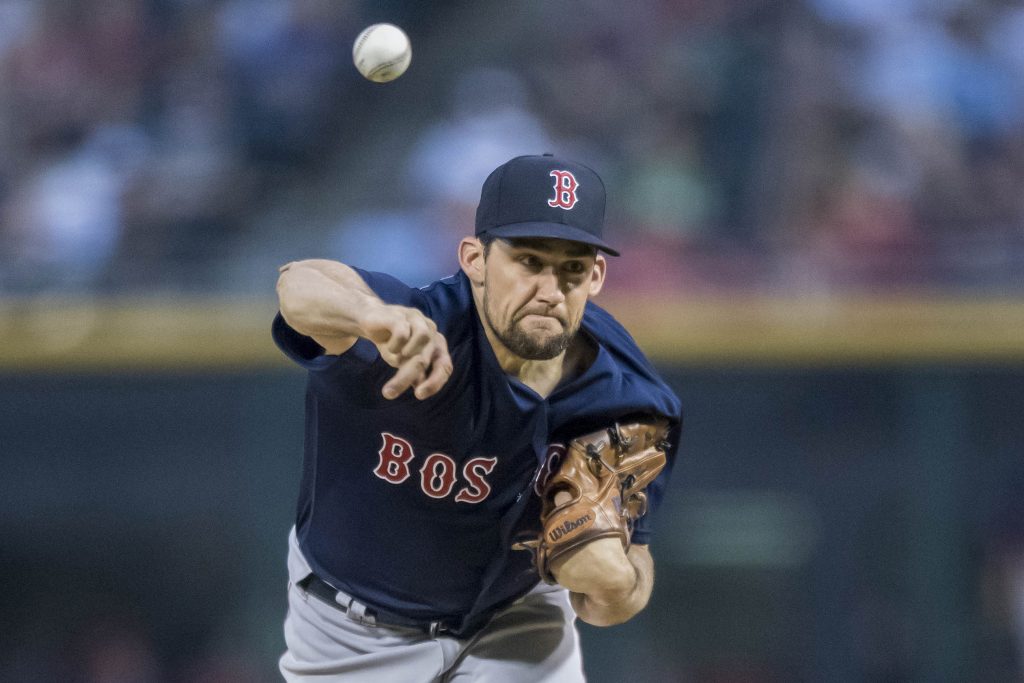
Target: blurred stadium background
(820,204)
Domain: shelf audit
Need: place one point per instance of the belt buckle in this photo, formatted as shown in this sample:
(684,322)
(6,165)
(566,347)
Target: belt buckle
(366,620)
(436,627)
(360,613)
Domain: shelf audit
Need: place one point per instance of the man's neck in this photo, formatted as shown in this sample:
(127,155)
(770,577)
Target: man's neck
(543,376)
(540,375)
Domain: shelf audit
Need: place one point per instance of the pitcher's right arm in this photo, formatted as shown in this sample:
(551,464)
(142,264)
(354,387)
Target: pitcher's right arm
(329,302)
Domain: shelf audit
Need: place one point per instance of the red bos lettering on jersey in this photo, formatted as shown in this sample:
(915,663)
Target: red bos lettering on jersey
(473,471)
(395,455)
(437,476)
(438,472)
(552,461)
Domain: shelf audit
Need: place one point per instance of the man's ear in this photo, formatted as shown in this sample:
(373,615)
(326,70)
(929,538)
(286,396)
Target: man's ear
(471,259)
(597,277)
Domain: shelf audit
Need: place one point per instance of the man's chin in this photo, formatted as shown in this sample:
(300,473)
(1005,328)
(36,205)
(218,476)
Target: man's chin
(534,346)
(538,353)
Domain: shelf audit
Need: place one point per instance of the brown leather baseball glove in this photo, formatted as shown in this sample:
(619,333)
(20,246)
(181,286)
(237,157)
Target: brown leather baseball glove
(598,489)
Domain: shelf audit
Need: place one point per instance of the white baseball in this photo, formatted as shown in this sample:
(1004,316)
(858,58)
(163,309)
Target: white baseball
(382,52)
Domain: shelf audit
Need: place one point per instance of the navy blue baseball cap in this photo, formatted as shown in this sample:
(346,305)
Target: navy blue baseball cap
(543,196)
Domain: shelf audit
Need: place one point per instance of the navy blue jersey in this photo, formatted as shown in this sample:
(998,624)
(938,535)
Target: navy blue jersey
(412,505)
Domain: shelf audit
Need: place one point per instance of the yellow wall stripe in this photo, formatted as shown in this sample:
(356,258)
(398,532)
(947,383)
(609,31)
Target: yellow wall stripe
(148,333)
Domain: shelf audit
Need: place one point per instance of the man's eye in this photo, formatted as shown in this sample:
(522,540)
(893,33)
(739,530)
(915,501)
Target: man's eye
(575,267)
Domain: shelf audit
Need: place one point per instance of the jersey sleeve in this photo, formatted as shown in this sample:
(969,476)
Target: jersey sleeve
(391,290)
(636,387)
(643,528)
(310,355)
(307,353)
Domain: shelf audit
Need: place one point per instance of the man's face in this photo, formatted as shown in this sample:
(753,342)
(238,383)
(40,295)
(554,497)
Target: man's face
(535,290)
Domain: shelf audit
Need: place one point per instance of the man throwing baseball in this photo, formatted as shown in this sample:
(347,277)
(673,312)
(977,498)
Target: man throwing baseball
(482,455)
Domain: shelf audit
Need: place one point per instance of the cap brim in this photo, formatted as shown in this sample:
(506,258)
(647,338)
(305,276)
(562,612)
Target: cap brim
(559,231)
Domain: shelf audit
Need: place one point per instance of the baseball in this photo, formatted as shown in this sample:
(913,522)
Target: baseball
(382,52)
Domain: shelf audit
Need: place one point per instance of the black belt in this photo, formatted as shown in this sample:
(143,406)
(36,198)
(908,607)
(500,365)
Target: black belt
(359,612)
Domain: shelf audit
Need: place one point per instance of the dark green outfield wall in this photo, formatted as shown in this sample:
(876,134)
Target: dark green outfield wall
(822,524)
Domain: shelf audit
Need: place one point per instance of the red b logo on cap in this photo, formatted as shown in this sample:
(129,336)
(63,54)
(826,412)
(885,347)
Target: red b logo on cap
(565,190)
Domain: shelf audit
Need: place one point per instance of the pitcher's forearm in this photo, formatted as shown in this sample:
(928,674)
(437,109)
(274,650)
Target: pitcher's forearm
(324,298)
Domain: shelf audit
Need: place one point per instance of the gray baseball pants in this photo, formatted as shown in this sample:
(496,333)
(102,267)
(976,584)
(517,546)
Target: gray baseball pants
(534,639)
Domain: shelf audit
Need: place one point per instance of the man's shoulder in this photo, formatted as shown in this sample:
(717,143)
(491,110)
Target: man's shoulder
(448,296)
(438,297)
(449,303)
(617,340)
(453,286)
(603,326)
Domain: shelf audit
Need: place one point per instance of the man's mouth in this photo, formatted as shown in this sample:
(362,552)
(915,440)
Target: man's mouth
(543,316)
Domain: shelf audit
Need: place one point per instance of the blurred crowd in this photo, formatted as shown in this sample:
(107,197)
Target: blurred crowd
(805,146)
(815,145)
(137,136)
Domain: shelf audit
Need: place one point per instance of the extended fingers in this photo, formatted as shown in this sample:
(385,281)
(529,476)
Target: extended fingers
(427,372)
(422,331)
(409,373)
(439,372)
(413,345)
(402,334)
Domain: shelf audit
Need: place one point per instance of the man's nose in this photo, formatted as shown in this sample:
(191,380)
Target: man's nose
(549,287)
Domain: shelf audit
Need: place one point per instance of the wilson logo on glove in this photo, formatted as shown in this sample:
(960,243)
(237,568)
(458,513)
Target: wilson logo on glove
(569,525)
